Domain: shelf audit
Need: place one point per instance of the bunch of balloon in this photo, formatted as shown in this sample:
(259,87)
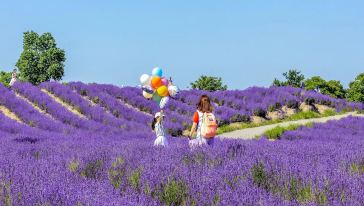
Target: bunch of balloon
(158,88)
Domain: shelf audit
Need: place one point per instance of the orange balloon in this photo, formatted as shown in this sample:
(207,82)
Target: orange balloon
(156,82)
(163,91)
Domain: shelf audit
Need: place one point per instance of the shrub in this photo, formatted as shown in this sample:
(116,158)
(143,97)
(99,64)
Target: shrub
(293,104)
(274,107)
(239,118)
(309,100)
(259,112)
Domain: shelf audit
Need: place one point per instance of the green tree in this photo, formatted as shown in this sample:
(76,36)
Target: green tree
(356,89)
(333,88)
(5,78)
(41,59)
(277,83)
(314,82)
(208,83)
(293,78)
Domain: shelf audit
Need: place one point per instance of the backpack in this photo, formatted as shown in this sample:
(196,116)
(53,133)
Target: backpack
(209,125)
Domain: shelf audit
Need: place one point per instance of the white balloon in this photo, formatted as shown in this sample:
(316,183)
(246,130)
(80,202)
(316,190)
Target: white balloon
(164,102)
(173,90)
(148,89)
(147,95)
(144,79)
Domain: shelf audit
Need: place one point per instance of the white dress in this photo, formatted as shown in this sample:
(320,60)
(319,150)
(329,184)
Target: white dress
(13,79)
(161,139)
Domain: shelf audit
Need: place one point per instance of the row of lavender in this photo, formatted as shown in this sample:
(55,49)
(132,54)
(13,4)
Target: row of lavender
(107,106)
(322,165)
(230,106)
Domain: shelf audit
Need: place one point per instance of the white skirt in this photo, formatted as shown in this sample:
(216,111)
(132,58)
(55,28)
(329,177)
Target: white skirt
(161,141)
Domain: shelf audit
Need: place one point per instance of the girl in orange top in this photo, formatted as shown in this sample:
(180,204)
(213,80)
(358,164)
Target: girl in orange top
(204,106)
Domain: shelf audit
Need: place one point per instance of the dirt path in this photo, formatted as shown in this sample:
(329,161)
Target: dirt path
(64,104)
(33,105)
(9,114)
(133,108)
(251,133)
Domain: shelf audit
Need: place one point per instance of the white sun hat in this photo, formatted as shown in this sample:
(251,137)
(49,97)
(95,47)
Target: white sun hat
(158,114)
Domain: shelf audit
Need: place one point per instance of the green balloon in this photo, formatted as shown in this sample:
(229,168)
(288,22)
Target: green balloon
(157,98)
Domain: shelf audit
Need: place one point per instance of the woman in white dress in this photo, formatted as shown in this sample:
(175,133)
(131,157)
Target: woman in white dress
(13,78)
(158,128)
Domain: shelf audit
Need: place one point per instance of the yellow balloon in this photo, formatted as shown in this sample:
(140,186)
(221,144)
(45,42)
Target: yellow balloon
(147,95)
(163,91)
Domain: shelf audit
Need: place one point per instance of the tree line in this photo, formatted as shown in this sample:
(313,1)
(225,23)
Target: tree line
(333,88)
(41,60)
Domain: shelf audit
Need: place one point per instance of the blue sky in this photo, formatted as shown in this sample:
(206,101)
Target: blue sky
(247,43)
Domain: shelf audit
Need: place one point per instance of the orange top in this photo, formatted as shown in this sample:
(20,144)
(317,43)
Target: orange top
(195,118)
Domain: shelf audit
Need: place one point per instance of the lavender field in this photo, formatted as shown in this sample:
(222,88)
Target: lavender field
(100,151)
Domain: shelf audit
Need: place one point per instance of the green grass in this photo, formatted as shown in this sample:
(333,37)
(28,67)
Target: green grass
(277,132)
(297,116)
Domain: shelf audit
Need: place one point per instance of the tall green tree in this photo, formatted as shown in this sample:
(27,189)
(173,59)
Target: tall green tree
(41,59)
(293,78)
(356,89)
(5,78)
(208,83)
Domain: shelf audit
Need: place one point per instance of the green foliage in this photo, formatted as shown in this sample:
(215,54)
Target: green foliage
(73,165)
(117,173)
(356,89)
(314,83)
(91,170)
(208,83)
(174,192)
(5,193)
(277,83)
(290,188)
(357,168)
(134,179)
(41,59)
(303,115)
(260,176)
(5,78)
(293,78)
(277,132)
(333,88)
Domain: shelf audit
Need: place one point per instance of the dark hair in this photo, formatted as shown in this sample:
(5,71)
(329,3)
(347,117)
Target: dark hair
(153,123)
(204,105)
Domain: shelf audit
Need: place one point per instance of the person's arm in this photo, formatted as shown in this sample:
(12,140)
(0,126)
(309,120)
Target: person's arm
(193,129)
(195,121)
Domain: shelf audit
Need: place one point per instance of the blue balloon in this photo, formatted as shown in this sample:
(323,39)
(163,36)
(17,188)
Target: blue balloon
(157,72)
